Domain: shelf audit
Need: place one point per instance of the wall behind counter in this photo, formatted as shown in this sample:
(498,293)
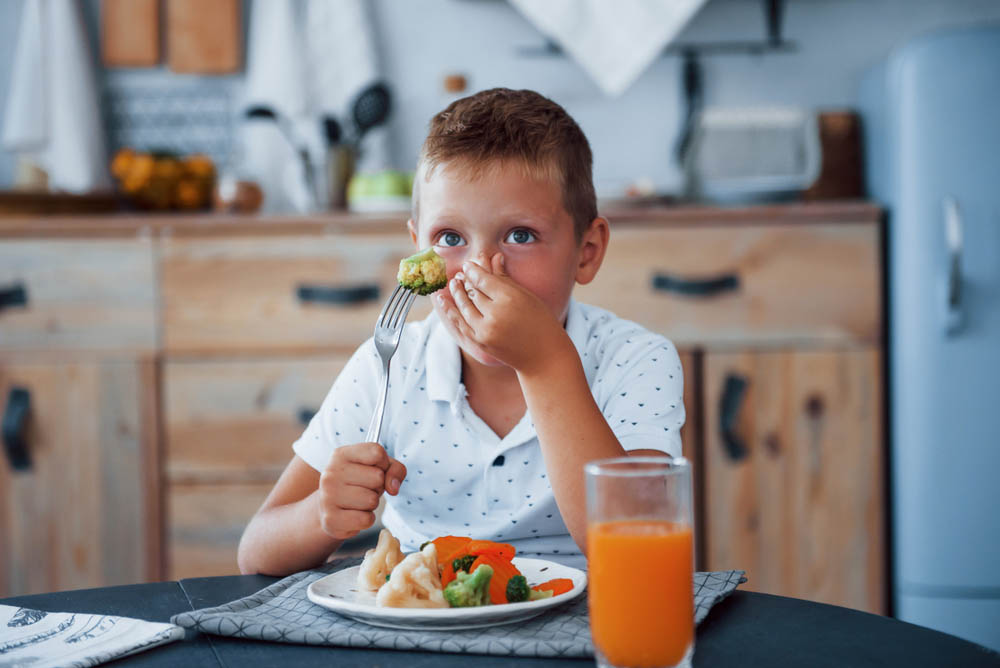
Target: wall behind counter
(632,136)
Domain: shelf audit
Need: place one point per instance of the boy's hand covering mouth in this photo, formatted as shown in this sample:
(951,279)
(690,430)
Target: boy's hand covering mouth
(489,312)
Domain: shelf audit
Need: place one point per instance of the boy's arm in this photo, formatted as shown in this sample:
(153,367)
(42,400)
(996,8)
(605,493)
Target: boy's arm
(285,535)
(309,513)
(571,431)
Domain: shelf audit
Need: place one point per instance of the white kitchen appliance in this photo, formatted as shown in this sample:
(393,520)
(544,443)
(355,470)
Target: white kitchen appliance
(932,119)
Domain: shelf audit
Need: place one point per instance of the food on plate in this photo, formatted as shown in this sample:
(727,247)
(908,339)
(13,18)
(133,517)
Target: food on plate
(379,561)
(423,272)
(556,586)
(450,571)
(413,583)
(468,590)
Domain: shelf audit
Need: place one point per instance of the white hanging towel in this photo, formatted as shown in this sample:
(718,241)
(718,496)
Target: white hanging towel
(276,79)
(342,62)
(53,116)
(614,42)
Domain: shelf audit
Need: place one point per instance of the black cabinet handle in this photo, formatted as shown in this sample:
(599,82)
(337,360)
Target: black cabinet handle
(729,414)
(696,287)
(14,426)
(336,294)
(306,415)
(13,295)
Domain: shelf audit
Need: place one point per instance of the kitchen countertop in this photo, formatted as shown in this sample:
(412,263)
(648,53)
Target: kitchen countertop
(212,224)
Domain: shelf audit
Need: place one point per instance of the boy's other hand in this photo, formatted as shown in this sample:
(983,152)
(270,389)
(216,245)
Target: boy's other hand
(492,313)
(351,486)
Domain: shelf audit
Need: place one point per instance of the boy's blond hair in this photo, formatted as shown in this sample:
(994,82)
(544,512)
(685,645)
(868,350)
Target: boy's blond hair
(504,128)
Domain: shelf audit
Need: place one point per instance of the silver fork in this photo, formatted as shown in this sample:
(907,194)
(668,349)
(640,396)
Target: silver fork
(388,327)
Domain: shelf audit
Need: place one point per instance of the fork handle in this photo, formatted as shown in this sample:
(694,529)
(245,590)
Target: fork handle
(375,428)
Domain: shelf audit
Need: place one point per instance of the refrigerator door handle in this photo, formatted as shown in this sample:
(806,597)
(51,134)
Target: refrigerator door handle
(953,287)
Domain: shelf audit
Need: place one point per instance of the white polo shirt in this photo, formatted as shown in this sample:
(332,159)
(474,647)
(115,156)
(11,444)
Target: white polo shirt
(462,478)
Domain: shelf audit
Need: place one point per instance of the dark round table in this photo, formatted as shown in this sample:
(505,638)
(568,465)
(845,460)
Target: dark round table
(747,629)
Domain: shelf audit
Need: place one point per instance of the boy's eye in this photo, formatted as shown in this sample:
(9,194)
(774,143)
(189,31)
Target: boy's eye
(450,239)
(520,236)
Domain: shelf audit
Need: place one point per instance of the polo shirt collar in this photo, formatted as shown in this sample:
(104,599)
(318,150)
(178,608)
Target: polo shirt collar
(444,362)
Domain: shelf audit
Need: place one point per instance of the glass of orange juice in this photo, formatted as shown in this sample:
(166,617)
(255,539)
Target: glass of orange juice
(640,554)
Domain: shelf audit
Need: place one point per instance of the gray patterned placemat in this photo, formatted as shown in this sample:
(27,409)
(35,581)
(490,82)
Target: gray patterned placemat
(283,613)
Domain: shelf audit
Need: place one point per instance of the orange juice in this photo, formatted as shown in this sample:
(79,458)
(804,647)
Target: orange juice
(641,591)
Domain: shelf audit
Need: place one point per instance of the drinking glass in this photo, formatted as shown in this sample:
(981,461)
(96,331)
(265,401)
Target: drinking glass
(640,553)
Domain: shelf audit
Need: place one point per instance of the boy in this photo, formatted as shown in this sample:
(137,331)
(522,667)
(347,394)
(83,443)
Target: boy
(501,395)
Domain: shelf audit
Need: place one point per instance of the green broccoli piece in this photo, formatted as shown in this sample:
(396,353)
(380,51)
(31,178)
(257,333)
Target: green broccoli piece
(469,590)
(536,595)
(517,589)
(463,563)
(423,273)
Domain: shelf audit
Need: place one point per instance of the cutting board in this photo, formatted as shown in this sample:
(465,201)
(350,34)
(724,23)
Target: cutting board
(130,33)
(204,36)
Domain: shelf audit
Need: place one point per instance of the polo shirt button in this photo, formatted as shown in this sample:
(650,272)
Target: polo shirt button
(498,461)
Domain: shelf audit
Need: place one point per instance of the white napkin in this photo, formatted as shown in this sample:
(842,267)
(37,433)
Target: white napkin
(49,639)
(53,117)
(613,41)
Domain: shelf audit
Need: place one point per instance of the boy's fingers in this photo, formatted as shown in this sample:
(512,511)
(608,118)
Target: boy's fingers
(464,294)
(394,476)
(364,475)
(477,278)
(353,497)
(369,454)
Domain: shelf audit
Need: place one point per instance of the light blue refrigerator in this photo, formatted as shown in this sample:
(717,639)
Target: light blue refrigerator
(932,131)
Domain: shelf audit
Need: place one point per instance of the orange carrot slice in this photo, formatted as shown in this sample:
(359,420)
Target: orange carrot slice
(503,570)
(556,586)
(449,547)
(448,574)
(503,550)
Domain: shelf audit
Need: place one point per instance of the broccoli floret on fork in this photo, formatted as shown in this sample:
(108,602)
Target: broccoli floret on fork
(423,273)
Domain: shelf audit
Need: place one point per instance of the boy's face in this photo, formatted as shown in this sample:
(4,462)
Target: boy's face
(502,212)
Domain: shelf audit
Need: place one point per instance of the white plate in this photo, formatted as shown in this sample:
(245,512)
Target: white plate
(340,592)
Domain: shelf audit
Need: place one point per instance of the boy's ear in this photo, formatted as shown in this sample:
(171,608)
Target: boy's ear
(412,227)
(592,248)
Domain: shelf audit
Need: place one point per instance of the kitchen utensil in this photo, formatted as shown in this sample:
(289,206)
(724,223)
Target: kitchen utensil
(339,165)
(388,328)
(284,125)
(370,109)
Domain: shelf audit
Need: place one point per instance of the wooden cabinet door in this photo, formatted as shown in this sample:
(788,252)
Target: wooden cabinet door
(794,473)
(83,512)
(229,425)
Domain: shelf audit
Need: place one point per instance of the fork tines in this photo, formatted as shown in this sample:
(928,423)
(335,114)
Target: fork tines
(396,307)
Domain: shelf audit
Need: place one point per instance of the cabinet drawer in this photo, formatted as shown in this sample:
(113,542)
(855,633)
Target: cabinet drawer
(766,285)
(77,295)
(205,524)
(235,420)
(291,293)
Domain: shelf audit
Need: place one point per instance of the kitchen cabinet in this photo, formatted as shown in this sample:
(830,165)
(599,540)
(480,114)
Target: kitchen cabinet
(793,471)
(80,511)
(236,327)
(228,425)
